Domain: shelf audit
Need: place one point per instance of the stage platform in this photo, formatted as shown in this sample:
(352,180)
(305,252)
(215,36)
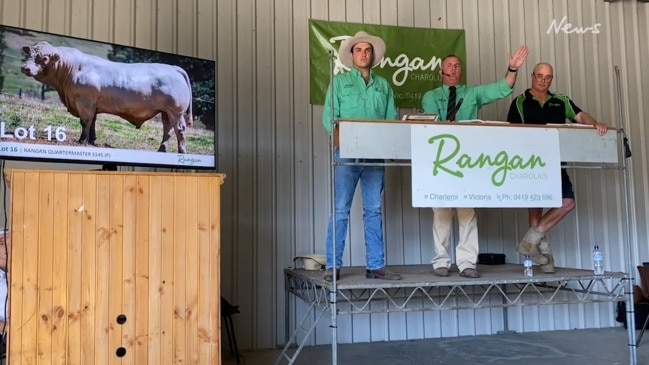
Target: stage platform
(454,292)
(501,286)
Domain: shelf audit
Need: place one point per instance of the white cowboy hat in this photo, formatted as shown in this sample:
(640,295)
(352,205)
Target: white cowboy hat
(345,51)
(312,262)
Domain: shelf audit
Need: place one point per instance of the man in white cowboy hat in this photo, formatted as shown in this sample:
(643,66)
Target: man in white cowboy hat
(359,93)
(453,101)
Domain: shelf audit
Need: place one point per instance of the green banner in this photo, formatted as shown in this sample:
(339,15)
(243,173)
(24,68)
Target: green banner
(411,63)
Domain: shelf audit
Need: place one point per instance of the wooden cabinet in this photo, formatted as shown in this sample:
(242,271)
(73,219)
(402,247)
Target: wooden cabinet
(114,268)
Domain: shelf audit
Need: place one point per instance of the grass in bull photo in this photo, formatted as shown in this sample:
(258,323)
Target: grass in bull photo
(112,131)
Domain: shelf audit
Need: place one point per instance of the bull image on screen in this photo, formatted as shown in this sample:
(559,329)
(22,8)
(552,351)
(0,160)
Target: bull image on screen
(89,85)
(69,99)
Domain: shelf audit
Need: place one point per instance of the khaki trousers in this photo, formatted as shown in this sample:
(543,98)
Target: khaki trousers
(466,253)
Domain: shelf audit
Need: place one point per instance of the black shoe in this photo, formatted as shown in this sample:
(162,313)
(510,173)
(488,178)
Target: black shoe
(329,275)
(382,273)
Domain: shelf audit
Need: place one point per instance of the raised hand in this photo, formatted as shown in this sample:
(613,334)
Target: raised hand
(516,60)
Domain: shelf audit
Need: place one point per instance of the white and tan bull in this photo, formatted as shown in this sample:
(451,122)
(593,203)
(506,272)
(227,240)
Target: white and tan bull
(89,85)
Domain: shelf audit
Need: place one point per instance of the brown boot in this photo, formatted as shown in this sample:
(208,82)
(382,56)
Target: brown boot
(329,275)
(539,259)
(441,272)
(470,273)
(549,267)
(530,242)
(546,251)
(382,273)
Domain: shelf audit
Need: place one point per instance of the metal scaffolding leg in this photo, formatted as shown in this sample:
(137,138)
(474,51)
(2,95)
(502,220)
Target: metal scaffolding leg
(506,330)
(300,328)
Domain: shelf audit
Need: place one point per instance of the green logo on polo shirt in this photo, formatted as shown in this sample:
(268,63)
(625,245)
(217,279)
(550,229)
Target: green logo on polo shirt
(449,159)
(554,104)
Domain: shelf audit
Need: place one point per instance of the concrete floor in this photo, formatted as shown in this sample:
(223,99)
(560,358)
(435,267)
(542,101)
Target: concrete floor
(577,347)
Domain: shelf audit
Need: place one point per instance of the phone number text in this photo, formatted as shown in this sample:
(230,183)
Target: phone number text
(524,197)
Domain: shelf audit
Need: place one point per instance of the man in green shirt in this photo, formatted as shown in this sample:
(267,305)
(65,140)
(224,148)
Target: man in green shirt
(359,93)
(453,101)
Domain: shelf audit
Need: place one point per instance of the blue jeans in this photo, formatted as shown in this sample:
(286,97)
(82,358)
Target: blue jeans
(345,180)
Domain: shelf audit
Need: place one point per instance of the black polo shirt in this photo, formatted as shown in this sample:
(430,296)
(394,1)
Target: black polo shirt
(556,109)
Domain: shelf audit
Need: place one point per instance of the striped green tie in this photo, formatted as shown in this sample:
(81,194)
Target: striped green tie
(451,101)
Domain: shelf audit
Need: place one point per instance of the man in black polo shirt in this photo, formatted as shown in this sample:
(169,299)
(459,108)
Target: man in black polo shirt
(537,105)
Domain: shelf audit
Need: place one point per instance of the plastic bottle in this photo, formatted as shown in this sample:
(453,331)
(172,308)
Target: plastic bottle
(598,261)
(528,271)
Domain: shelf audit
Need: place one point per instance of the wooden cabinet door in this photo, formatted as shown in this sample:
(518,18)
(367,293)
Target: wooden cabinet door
(114,268)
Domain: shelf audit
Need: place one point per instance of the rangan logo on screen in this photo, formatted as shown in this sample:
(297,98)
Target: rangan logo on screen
(449,159)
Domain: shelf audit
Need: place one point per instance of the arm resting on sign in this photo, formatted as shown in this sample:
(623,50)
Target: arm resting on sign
(585,118)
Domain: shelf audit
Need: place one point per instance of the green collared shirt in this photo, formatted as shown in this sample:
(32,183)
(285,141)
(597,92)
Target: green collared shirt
(354,99)
(436,101)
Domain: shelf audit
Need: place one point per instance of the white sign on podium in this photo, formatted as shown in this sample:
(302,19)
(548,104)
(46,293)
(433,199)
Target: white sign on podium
(485,166)
(365,138)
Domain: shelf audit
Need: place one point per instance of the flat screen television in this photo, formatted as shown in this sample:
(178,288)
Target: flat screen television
(67,99)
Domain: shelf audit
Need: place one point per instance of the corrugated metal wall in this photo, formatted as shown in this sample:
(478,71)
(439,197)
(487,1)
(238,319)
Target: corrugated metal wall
(273,149)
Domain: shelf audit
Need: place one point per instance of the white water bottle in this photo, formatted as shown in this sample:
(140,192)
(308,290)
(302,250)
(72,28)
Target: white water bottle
(528,271)
(598,261)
